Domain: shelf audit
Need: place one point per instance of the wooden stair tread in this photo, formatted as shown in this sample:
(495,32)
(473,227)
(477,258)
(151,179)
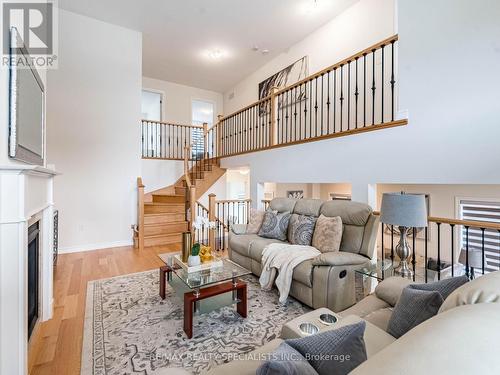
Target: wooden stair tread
(163,204)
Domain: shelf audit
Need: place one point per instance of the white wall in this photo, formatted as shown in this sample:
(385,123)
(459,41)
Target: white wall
(93,112)
(177,99)
(448,82)
(360,26)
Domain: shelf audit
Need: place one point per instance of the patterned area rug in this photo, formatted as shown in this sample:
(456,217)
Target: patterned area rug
(129,329)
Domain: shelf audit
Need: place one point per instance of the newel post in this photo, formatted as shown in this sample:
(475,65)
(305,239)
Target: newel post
(140,213)
(273,136)
(211,218)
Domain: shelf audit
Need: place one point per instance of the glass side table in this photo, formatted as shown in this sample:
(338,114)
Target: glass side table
(365,277)
(380,270)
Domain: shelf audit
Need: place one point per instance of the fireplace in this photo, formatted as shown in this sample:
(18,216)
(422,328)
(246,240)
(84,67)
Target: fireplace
(33,275)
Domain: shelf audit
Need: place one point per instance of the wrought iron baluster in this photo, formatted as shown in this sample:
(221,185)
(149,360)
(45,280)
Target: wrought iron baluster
(364,89)
(413,257)
(328,102)
(341,95)
(356,94)
(382,86)
(452,228)
(482,250)
(334,98)
(467,271)
(426,243)
(316,107)
(393,81)
(438,250)
(373,88)
(349,95)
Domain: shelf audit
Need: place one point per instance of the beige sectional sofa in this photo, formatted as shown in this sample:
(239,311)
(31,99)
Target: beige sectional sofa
(461,339)
(328,280)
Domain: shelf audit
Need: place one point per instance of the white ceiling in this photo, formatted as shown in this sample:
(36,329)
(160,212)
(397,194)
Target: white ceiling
(178,33)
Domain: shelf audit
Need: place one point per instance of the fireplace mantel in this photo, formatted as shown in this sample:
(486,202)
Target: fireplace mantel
(26,196)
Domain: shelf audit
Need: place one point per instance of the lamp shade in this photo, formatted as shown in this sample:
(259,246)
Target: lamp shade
(404,210)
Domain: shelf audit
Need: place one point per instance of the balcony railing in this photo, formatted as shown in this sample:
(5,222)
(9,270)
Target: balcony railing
(355,95)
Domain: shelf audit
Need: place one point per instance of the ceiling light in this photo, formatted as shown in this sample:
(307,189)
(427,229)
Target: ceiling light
(216,54)
(309,7)
(265,51)
(244,172)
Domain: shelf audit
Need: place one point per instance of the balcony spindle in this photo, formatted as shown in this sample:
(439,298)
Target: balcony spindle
(356,94)
(348,95)
(393,81)
(439,250)
(413,257)
(364,89)
(341,95)
(467,271)
(382,87)
(482,250)
(426,244)
(452,228)
(374,88)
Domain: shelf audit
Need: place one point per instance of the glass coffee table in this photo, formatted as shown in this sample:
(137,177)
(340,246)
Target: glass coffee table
(205,284)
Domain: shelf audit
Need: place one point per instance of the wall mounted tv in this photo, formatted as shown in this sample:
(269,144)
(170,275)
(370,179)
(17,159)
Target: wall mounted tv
(26,105)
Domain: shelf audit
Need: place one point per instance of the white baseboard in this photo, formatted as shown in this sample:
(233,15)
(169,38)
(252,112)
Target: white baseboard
(95,246)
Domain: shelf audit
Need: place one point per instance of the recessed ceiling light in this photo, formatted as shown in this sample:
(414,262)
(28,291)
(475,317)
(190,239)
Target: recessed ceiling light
(216,54)
(265,51)
(309,7)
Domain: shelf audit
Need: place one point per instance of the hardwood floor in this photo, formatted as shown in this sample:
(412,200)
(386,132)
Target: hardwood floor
(55,347)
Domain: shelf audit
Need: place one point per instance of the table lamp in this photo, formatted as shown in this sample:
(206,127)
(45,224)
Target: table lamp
(405,211)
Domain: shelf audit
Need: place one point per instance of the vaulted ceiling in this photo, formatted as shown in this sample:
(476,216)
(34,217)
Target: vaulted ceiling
(209,43)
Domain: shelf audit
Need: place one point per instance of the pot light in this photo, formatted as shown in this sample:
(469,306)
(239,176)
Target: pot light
(216,54)
(309,7)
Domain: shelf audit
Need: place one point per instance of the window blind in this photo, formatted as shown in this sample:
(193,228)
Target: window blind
(475,210)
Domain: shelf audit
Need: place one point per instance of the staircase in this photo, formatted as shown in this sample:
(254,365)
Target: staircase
(165,209)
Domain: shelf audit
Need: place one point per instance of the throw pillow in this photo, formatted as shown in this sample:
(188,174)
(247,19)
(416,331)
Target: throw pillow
(285,361)
(414,307)
(445,286)
(255,221)
(327,234)
(275,225)
(334,352)
(301,229)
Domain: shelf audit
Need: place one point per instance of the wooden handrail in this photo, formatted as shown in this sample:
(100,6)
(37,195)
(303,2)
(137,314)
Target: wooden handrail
(140,213)
(372,48)
(232,200)
(260,101)
(465,223)
(173,124)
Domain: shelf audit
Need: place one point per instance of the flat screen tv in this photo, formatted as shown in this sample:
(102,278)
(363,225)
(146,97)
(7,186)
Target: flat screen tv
(26,105)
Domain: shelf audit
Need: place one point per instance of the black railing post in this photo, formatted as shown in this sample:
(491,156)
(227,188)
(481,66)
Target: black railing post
(452,226)
(438,250)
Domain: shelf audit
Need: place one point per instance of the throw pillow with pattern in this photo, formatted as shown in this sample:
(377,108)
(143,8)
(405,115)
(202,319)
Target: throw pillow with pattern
(328,234)
(275,225)
(301,229)
(255,221)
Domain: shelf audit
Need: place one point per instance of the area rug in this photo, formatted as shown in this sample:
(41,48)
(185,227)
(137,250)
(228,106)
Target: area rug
(129,329)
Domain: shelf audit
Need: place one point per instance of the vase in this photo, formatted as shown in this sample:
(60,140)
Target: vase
(186,246)
(194,260)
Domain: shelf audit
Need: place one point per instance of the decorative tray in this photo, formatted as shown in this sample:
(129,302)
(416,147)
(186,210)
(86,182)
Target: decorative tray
(204,266)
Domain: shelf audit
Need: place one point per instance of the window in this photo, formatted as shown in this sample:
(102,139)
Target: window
(479,210)
(201,112)
(151,108)
(151,105)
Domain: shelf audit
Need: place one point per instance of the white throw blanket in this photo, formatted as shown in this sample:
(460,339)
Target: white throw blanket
(283,258)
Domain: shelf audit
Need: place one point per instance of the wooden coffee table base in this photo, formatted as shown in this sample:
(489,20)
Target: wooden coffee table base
(190,298)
